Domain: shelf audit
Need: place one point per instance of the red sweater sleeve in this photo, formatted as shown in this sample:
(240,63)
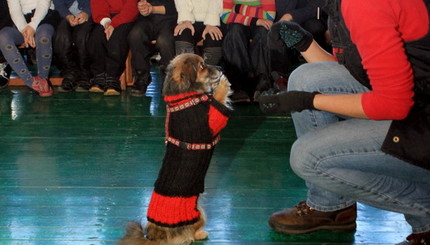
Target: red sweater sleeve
(125,11)
(379,30)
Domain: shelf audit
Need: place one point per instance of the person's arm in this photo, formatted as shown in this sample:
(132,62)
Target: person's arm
(127,14)
(40,13)
(100,12)
(16,14)
(266,10)
(213,13)
(85,6)
(317,54)
(184,8)
(380,42)
(62,8)
(230,16)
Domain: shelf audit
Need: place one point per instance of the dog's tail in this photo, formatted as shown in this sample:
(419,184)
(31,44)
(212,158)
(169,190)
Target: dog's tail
(135,236)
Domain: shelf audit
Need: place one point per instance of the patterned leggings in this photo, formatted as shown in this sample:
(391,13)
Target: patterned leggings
(10,37)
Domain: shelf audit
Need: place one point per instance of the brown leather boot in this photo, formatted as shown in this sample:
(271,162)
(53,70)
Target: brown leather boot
(303,219)
(417,239)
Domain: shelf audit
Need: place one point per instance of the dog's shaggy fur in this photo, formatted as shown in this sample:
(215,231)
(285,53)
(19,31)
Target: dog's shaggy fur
(186,73)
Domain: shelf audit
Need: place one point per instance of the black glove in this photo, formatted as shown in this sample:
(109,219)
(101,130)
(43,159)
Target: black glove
(292,101)
(292,34)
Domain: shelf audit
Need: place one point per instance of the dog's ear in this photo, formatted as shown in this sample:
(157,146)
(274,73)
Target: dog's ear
(189,71)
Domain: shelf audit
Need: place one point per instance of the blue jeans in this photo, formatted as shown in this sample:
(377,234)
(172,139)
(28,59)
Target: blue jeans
(341,159)
(10,37)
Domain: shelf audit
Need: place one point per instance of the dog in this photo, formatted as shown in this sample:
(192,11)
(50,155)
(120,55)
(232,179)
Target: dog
(198,108)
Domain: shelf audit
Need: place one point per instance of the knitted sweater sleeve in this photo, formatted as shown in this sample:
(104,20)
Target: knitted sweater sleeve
(185,11)
(380,42)
(213,13)
(40,13)
(243,12)
(218,117)
(17,15)
(127,14)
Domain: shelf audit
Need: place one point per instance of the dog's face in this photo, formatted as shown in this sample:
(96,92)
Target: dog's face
(189,73)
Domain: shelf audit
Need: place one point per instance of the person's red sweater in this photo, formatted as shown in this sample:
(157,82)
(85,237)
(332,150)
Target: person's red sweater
(119,11)
(379,29)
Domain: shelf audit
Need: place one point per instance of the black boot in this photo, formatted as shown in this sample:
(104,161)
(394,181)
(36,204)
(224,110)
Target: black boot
(69,82)
(112,86)
(143,79)
(98,83)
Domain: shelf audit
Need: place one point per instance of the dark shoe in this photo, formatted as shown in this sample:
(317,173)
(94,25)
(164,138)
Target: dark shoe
(143,79)
(98,83)
(67,85)
(5,71)
(303,219)
(42,86)
(112,86)
(417,239)
(240,96)
(83,86)
(264,83)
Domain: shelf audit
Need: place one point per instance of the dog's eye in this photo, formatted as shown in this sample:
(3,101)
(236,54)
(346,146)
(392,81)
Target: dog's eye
(203,66)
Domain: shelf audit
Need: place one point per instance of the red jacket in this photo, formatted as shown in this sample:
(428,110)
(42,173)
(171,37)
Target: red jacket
(120,11)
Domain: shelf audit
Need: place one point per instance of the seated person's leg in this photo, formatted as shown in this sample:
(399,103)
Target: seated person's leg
(117,51)
(9,38)
(236,58)
(166,42)
(63,51)
(97,50)
(81,37)
(185,42)
(139,39)
(212,48)
(260,60)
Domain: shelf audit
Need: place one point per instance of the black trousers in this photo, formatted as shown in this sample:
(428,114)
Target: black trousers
(144,31)
(199,27)
(243,57)
(109,56)
(70,47)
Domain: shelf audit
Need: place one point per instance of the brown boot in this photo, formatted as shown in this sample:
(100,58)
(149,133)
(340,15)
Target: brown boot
(417,239)
(303,219)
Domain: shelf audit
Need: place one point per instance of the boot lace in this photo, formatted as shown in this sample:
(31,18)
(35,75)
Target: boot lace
(419,239)
(303,209)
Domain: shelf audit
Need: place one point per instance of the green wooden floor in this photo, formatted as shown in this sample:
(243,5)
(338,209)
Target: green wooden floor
(76,166)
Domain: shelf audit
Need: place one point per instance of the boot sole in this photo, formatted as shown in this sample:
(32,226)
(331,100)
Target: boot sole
(302,230)
(96,90)
(111,92)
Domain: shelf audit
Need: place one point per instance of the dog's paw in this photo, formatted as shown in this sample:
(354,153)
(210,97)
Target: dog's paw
(201,234)
(223,90)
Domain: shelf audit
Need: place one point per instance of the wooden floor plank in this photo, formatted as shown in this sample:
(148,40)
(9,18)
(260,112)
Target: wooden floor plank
(75,167)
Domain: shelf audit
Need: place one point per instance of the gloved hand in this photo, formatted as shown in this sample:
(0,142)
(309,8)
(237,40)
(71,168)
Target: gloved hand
(292,34)
(292,101)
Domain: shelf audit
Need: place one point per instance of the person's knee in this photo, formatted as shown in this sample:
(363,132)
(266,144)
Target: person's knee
(5,37)
(301,159)
(165,41)
(304,78)
(137,35)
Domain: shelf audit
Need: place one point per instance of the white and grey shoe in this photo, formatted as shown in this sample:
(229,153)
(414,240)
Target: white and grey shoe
(5,71)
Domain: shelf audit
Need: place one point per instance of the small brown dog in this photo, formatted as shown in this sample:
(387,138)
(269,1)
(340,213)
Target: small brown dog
(198,107)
